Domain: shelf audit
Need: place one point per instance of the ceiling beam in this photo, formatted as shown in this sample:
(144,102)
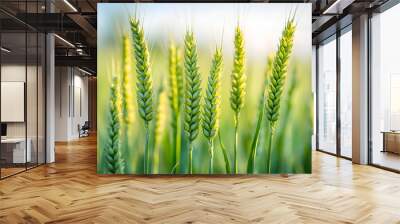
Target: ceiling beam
(81,61)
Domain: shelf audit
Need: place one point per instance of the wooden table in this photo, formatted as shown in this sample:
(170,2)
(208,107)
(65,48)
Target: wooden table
(391,141)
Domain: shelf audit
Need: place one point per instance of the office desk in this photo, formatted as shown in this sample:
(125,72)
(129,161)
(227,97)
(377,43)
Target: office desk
(16,147)
(391,141)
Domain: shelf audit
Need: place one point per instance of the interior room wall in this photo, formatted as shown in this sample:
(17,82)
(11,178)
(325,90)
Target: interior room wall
(16,73)
(71,102)
(62,80)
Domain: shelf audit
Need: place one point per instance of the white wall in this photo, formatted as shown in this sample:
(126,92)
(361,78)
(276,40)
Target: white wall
(71,102)
(62,82)
(314,90)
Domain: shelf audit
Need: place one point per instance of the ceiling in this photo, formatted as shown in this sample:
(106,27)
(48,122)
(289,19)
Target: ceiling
(75,22)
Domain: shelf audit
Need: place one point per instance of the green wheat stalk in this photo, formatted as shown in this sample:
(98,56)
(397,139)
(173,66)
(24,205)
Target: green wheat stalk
(238,91)
(192,93)
(277,81)
(253,150)
(225,154)
(159,126)
(181,96)
(114,162)
(175,99)
(143,84)
(210,121)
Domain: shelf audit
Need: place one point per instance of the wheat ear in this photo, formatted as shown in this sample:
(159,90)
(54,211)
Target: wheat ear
(179,77)
(277,81)
(192,93)
(126,81)
(144,83)
(238,90)
(210,121)
(113,157)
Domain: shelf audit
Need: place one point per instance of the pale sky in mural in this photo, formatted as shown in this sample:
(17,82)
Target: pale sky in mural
(261,23)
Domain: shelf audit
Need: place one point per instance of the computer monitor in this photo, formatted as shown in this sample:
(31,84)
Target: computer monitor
(3,129)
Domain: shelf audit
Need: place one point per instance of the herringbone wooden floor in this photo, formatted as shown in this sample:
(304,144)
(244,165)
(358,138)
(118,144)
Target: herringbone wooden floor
(69,191)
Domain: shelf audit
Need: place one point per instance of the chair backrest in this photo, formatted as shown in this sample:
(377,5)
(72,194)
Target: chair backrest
(86,124)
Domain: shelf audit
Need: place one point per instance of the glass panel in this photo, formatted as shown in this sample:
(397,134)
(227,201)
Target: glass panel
(327,97)
(386,89)
(31,98)
(13,92)
(346,94)
(23,90)
(314,78)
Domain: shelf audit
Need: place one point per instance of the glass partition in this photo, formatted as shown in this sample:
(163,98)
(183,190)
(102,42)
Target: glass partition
(14,153)
(31,98)
(327,96)
(22,77)
(385,89)
(346,93)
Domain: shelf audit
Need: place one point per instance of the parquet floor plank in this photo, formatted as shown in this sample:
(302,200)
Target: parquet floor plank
(70,191)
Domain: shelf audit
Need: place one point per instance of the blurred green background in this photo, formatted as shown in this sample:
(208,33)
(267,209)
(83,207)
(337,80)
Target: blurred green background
(262,25)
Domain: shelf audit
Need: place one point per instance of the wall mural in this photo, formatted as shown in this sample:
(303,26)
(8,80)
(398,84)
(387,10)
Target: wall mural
(204,88)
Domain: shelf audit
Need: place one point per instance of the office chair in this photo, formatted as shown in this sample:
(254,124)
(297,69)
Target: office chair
(84,130)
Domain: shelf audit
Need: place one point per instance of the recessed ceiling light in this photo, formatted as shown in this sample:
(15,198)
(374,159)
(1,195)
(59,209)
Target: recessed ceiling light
(84,71)
(338,6)
(70,5)
(5,50)
(65,41)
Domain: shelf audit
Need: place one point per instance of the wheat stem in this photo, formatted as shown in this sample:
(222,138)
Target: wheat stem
(224,152)
(235,161)
(211,152)
(180,86)
(190,158)
(238,86)
(146,150)
(159,126)
(253,151)
(269,149)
